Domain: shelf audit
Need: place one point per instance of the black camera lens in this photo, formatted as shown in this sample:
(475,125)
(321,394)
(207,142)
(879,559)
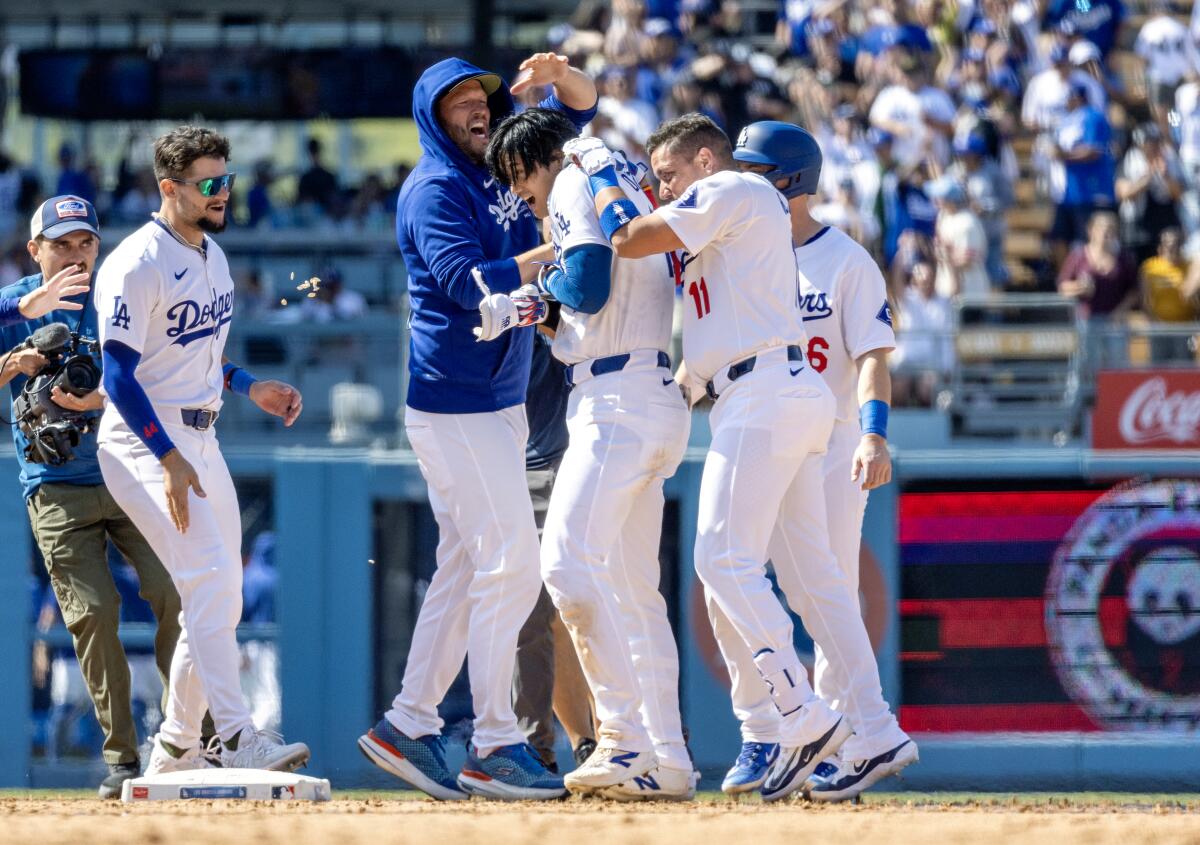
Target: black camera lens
(79,376)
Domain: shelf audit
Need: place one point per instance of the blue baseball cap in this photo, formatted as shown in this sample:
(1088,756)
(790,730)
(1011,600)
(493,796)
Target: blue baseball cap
(947,189)
(972,144)
(62,215)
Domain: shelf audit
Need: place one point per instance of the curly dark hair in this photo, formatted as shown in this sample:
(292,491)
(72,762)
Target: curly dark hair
(175,151)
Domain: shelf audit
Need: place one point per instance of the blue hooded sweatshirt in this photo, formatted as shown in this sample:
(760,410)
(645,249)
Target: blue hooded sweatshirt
(452,216)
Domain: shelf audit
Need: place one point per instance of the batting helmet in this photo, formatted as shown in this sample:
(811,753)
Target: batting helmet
(792,151)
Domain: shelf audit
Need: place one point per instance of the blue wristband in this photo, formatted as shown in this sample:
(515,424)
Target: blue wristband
(873,417)
(237,379)
(605,177)
(616,214)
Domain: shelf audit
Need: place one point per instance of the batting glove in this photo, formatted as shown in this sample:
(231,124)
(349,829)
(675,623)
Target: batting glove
(499,312)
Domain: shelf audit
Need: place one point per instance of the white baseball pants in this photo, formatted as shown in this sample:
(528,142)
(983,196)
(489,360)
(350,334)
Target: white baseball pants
(770,429)
(486,581)
(628,432)
(205,563)
(846,674)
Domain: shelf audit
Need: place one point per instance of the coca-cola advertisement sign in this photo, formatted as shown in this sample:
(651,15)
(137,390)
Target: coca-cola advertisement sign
(1147,409)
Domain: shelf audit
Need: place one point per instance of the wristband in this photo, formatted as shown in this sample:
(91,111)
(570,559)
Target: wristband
(618,213)
(873,417)
(237,379)
(605,177)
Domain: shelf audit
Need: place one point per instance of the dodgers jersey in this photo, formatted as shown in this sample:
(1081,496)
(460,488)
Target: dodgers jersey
(846,314)
(171,302)
(739,271)
(642,295)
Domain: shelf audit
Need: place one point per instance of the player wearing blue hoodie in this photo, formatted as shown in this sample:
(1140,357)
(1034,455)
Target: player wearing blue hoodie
(463,235)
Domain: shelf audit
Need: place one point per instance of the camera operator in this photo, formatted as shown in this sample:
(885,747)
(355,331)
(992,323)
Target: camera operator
(70,511)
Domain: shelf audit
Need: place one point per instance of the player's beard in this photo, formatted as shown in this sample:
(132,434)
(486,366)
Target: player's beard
(207,225)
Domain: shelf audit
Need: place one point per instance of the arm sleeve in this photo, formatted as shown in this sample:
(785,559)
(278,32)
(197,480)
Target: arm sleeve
(126,297)
(579,118)
(866,317)
(443,231)
(120,362)
(708,210)
(585,281)
(10,311)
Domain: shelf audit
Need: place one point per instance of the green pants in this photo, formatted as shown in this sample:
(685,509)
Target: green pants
(72,524)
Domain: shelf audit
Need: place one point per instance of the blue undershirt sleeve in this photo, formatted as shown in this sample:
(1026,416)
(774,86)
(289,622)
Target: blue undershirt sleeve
(130,399)
(10,311)
(585,281)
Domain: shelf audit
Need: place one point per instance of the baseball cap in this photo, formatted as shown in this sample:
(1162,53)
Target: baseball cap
(656,27)
(1083,52)
(491,83)
(62,215)
(983,26)
(945,188)
(878,137)
(972,144)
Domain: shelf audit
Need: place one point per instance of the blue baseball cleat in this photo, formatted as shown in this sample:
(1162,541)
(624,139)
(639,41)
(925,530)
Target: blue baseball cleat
(750,770)
(510,773)
(419,762)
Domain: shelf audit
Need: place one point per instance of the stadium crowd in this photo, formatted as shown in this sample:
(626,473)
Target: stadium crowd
(932,114)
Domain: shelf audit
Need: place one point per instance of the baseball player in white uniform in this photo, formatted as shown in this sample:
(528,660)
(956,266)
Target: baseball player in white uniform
(844,302)
(744,341)
(164,299)
(628,425)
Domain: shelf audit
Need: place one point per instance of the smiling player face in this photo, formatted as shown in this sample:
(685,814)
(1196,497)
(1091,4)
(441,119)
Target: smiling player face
(465,116)
(534,187)
(206,213)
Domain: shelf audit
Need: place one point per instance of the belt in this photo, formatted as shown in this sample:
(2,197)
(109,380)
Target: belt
(584,370)
(721,381)
(199,418)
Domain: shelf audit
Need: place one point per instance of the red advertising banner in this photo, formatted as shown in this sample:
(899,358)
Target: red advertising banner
(1147,409)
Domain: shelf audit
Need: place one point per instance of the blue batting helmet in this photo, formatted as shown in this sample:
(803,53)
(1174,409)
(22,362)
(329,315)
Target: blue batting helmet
(792,151)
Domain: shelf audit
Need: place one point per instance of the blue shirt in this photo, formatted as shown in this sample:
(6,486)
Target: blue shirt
(546,407)
(1088,182)
(1096,20)
(452,217)
(84,469)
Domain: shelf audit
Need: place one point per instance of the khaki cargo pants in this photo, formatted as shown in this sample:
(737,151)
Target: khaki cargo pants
(72,524)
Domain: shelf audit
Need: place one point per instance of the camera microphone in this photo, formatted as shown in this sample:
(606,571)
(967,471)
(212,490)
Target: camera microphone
(48,338)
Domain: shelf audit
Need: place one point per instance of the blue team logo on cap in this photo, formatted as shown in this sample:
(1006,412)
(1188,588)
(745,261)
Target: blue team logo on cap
(71,208)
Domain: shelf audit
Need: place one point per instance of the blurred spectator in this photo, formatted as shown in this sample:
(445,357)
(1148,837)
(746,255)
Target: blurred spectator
(989,195)
(369,209)
(73,180)
(318,187)
(1166,297)
(847,154)
(1162,45)
(140,200)
(845,212)
(1045,107)
(629,120)
(1095,20)
(624,37)
(903,206)
(662,61)
(1086,59)
(1084,179)
(1102,278)
(960,243)
(924,342)
(334,301)
(1187,119)
(918,116)
(1149,186)
(791,27)
(893,27)
(259,208)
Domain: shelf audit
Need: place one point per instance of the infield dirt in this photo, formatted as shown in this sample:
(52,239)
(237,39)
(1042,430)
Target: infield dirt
(370,821)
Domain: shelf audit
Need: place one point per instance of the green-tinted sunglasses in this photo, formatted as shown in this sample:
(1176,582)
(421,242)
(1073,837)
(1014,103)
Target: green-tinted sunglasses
(211,186)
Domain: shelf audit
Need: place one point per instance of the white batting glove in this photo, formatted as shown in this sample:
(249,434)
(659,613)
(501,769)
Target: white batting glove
(592,156)
(499,312)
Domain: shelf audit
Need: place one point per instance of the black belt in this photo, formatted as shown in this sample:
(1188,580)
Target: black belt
(612,364)
(198,418)
(741,368)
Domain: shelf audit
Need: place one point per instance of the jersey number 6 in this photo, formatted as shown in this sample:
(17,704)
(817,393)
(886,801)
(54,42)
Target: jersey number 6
(699,293)
(816,347)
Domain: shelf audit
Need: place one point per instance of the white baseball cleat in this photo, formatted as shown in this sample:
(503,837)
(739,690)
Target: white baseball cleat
(841,780)
(658,784)
(264,750)
(796,762)
(161,761)
(609,767)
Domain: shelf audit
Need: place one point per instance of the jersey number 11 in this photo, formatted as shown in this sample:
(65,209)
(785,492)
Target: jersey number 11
(699,293)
